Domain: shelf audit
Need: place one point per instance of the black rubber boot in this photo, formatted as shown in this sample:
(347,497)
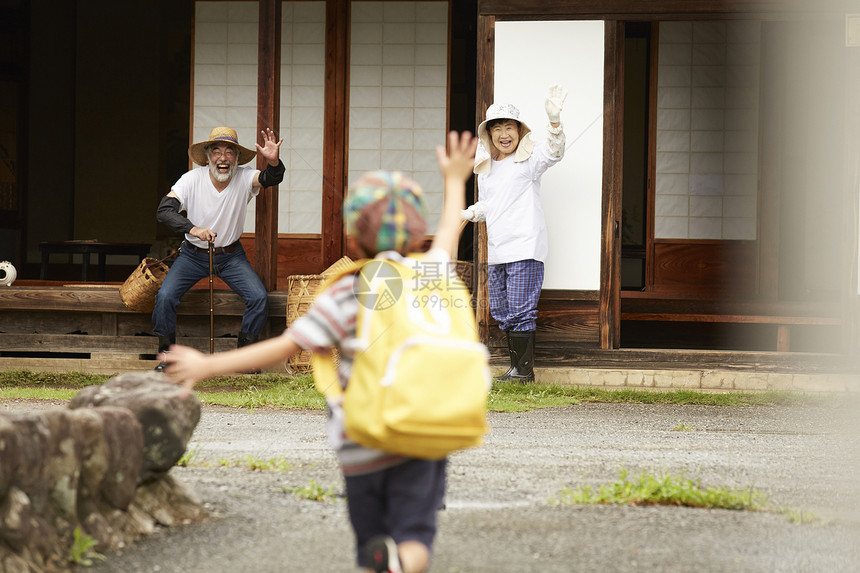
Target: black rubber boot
(164,343)
(513,369)
(245,339)
(523,348)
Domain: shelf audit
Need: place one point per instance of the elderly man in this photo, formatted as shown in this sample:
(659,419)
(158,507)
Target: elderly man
(215,198)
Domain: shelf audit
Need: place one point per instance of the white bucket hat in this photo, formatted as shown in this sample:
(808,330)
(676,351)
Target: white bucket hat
(502,111)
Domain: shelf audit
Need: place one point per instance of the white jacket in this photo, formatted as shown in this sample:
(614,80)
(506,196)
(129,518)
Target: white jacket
(510,193)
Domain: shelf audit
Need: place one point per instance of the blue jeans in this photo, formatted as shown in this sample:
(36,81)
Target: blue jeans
(191,266)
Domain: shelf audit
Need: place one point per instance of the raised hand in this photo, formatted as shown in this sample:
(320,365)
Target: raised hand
(456,165)
(270,150)
(459,159)
(554,103)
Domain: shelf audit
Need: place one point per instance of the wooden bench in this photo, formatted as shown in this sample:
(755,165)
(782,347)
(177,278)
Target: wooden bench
(782,314)
(90,319)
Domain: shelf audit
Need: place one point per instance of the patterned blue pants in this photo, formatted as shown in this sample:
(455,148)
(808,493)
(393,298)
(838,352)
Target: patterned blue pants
(514,290)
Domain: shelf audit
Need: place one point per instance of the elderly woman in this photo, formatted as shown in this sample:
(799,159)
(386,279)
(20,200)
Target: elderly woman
(509,167)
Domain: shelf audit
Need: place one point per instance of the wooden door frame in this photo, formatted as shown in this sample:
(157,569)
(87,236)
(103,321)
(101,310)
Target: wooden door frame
(609,318)
(614,13)
(268,116)
(335,130)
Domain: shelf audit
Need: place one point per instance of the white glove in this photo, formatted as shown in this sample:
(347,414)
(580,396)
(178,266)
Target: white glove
(554,102)
(474,213)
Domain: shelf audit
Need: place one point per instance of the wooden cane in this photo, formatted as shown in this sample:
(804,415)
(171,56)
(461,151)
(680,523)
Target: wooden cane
(211,301)
(462,226)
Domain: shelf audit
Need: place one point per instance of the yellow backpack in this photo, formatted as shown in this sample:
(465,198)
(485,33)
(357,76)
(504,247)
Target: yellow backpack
(419,385)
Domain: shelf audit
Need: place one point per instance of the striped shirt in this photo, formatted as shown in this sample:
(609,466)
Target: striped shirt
(331,323)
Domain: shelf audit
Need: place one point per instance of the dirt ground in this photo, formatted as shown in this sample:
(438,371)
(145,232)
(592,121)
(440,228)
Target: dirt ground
(500,515)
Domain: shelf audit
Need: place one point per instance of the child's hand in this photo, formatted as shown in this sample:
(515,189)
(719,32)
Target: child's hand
(554,103)
(459,160)
(456,167)
(186,366)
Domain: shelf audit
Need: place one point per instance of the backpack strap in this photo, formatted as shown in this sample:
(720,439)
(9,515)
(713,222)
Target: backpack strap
(323,366)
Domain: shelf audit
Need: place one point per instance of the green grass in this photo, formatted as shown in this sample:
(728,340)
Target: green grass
(273,391)
(514,397)
(27,378)
(298,392)
(649,489)
(240,391)
(192,458)
(37,393)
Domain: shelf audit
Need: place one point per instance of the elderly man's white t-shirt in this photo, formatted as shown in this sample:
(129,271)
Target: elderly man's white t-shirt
(223,212)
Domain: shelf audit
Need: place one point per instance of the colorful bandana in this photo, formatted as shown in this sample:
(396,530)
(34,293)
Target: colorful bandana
(385,211)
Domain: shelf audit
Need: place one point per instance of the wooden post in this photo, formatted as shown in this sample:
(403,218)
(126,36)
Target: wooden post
(335,130)
(484,98)
(610,255)
(268,116)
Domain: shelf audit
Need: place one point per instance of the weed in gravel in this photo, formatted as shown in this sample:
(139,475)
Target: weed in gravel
(278,464)
(191,457)
(649,489)
(684,428)
(315,492)
(81,553)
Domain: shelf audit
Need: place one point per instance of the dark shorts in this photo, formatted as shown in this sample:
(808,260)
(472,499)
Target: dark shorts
(399,501)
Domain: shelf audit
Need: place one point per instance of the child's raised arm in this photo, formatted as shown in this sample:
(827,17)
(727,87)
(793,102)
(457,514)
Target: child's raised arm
(456,166)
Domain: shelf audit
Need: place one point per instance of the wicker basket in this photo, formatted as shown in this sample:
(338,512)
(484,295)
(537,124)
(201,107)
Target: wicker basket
(139,289)
(301,292)
(465,270)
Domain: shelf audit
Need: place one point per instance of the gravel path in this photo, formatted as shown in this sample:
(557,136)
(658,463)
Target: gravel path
(498,518)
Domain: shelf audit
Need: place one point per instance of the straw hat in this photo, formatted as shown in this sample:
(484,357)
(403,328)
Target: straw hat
(197,152)
(502,111)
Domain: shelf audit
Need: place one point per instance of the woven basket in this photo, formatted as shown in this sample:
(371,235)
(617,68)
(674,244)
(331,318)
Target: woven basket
(139,289)
(465,270)
(301,292)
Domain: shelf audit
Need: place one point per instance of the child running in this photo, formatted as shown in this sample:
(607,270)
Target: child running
(392,500)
